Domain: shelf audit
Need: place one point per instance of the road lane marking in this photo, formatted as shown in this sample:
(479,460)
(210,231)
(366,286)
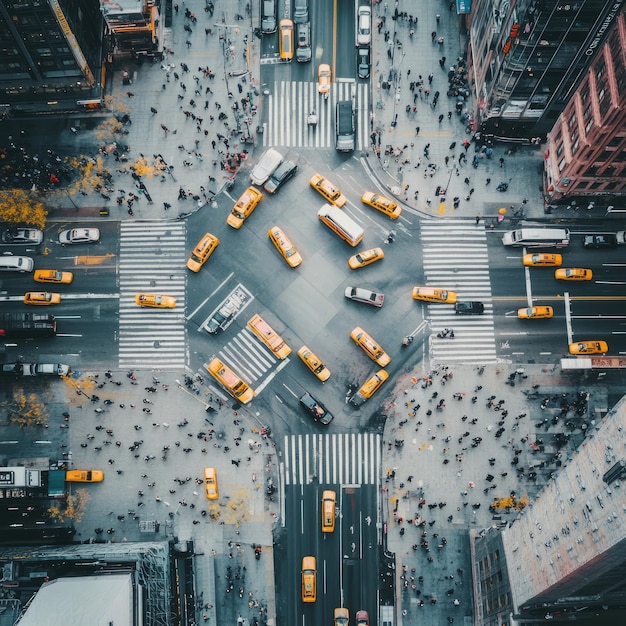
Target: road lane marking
(568,318)
(188,317)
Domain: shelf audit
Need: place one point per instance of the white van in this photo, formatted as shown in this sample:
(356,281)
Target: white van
(341,224)
(12,263)
(270,160)
(537,237)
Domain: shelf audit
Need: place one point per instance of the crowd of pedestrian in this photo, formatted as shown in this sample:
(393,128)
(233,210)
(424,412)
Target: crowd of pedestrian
(494,454)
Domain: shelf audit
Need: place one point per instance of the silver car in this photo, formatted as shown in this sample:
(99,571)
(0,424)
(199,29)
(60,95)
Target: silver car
(359,294)
(79,235)
(32,236)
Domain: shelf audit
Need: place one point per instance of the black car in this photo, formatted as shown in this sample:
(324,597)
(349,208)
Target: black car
(220,318)
(282,174)
(316,409)
(600,241)
(469,308)
(363,61)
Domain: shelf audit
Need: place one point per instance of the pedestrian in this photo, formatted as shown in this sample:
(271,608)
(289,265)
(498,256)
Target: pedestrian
(501,162)
(417,130)
(477,220)
(441,118)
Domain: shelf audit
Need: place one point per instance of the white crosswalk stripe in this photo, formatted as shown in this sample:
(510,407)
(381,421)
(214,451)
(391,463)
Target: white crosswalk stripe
(290,104)
(152,260)
(247,356)
(344,459)
(456,258)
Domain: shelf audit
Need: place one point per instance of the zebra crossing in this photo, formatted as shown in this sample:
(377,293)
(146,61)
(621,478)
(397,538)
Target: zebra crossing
(455,257)
(247,356)
(341,458)
(152,260)
(291,102)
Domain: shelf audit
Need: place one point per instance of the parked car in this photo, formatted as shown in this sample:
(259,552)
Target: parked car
(79,235)
(32,236)
(363,61)
(469,308)
(364,26)
(36,369)
(268,16)
(303,42)
(316,409)
(608,240)
(266,166)
(360,294)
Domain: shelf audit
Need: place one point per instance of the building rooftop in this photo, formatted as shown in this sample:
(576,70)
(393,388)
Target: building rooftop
(560,543)
(95,600)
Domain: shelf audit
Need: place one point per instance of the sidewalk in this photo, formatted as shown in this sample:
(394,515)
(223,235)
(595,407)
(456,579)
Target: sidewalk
(452,464)
(154,463)
(175,108)
(426,143)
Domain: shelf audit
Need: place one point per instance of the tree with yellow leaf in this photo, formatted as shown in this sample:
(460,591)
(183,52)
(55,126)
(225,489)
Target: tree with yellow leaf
(72,508)
(21,207)
(26,410)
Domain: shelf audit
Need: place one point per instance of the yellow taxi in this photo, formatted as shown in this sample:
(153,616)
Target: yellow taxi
(369,346)
(431,294)
(382,204)
(84,476)
(341,617)
(199,255)
(42,298)
(369,388)
(230,381)
(53,276)
(329,501)
(210,483)
(284,246)
(323,79)
(244,206)
(328,190)
(542,259)
(589,347)
(155,301)
(314,363)
(573,273)
(535,313)
(269,336)
(309,576)
(365,257)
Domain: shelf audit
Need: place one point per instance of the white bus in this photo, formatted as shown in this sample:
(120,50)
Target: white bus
(537,237)
(341,224)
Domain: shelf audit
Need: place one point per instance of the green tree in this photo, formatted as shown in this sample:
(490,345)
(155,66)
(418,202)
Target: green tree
(21,207)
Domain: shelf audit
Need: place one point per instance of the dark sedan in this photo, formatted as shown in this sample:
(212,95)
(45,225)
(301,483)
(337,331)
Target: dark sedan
(283,173)
(316,409)
(608,240)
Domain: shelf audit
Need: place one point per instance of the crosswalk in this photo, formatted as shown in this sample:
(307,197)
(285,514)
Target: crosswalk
(290,103)
(247,356)
(341,458)
(152,260)
(455,257)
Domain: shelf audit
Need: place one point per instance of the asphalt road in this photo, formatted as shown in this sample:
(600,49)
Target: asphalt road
(346,575)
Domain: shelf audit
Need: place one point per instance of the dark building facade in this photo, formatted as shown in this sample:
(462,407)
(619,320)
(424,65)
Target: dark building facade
(564,558)
(585,158)
(50,57)
(527,57)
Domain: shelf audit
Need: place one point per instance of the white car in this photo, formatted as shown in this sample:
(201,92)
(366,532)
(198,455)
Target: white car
(32,236)
(364,26)
(266,166)
(367,296)
(79,235)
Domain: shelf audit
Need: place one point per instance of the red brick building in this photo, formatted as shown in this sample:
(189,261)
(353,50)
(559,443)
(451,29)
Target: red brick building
(585,158)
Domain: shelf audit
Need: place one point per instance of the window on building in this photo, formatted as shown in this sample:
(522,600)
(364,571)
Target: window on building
(561,164)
